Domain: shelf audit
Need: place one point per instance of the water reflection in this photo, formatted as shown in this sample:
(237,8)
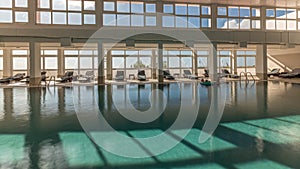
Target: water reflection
(39,126)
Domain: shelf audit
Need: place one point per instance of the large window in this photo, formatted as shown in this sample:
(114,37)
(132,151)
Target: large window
(49,60)
(186,16)
(246,61)
(20,58)
(130,61)
(281,19)
(177,60)
(237,17)
(66,12)
(224,59)
(126,13)
(14,11)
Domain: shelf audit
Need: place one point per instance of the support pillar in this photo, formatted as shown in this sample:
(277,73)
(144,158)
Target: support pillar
(109,72)
(234,63)
(61,63)
(261,62)
(154,68)
(101,76)
(35,63)
(160,62)
(7,63)
(213,63)
(195,63)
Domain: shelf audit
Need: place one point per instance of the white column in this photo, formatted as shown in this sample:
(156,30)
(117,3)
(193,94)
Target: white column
(154,69)
(109,72)
(61,62)
(195,63)
(35,63)
(261,62)
(160,62)
(101,76)
(7,63)
(213,63)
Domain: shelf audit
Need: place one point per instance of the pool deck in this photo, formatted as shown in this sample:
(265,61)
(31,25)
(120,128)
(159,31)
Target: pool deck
(148,81)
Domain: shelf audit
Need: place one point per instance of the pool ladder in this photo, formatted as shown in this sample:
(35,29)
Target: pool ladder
(246,75)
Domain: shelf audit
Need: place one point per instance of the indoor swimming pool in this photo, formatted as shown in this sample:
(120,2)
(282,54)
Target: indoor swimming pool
(259,128)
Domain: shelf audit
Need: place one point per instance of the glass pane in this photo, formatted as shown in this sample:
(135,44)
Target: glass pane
(240,52)
(5,3)
(186,52)
(1,52)
(21,3)
(205,22)
(250,61)
(6,16)
(244,23)
(202,52)
(118,62)
(291,25)
(280,24)
(44,3)
(180,9)
(240,62)
(137,7)
(225,61)
(194,22)
(233,23)
(174,52)
(132,62)
(244,11)
(117,52)
(233,11)
(270,24)
(224,52)
(51,63)
(20,52)
(150,20)
(71,62)
(174,62)
(89,5)
(270,12)
(255,24)
(168,8)
(205,10)
(256,12)
(280,13)
(86,62)
(70,52)
(181,22)
(251,52)
(186,62)
(89,19)
(21,16)
(168,21)
(222,23)
(19,63)
(96,63)
(74,5)
(123,20)
(123,6)
(43,17)
(193,9)
(74,19)
(85,52)
(59,18)
(145,62)
(50,52)
(109,19)
(202,61)
(109,6)
(222,11)
(150,8)
(291,13)
(59,5)
(137,20)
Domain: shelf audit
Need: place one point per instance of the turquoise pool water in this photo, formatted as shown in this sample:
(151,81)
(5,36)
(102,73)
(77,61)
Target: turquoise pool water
(259,128)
